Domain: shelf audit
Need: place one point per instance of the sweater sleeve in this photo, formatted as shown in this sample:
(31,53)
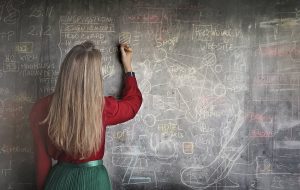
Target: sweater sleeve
(42,159)
(124,109)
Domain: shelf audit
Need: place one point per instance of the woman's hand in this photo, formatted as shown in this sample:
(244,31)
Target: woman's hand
(126,57)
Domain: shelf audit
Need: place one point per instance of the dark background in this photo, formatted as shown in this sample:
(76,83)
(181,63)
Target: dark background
(220,82)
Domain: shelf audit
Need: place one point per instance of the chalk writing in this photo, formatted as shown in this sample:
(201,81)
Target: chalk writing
(4,91)
(9,149)
(259,133)
(209,32)
(11,13)
(10,64)
(24,47)
(76,29)
(220,88)
(39,30)
(144,16)
(7,35)
(6,171)
(38,11)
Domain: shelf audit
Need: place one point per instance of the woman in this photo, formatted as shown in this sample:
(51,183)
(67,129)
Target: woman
(69,125)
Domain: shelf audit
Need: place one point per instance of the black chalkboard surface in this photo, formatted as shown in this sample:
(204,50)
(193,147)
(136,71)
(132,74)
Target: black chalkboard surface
(220,82)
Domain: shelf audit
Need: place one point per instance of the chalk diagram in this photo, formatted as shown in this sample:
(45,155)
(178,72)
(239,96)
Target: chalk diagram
(194,106)
(194,94)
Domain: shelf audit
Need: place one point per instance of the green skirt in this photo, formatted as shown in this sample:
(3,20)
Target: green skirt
(90,175)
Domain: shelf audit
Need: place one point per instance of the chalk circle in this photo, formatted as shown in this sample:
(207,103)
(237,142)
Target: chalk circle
(209,59)
(220,90)
(149,120)
(160,54)
(218,68)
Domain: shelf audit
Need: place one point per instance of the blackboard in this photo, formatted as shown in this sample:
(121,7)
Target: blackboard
(220,81)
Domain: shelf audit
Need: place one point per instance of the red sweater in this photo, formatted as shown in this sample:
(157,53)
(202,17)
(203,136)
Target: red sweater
(115,111)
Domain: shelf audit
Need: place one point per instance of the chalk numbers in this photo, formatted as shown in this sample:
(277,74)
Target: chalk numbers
(39,31)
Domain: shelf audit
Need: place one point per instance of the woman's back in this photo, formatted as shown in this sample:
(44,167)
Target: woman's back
(66,126)
(114,112)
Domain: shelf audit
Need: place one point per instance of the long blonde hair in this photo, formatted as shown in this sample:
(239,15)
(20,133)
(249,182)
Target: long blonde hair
(75,114)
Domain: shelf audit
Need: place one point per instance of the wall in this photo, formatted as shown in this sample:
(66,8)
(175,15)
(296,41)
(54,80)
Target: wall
(220,81)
